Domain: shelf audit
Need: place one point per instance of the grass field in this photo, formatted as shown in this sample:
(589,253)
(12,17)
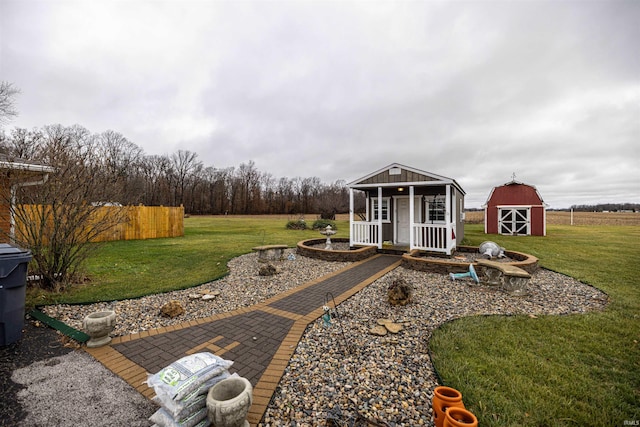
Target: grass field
(579,218)
(133,268)
(578,370)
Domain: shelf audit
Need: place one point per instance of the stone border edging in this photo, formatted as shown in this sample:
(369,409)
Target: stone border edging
(528,263)
(305,248)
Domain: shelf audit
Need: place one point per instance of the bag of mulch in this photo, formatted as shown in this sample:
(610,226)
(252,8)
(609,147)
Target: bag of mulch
(186,375)
(163,419)
(191,403)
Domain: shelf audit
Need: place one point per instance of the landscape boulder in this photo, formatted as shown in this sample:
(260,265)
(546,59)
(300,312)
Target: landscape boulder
(399,292)
(172,309)
(268,270)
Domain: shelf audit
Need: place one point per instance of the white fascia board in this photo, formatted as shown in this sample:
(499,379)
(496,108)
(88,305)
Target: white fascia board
(401,184)
(29,167)
(518,206)
(398,165)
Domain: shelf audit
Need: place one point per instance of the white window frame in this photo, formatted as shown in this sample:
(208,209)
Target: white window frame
(441,201)
(386,217)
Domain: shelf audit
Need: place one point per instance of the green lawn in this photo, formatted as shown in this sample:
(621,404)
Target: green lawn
(129,269)
(578,370)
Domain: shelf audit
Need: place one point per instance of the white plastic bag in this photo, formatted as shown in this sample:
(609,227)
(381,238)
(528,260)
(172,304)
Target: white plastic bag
(163,419)
(186,375)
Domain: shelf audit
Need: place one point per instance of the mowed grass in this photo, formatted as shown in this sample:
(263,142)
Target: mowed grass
(576,370)
(131,269)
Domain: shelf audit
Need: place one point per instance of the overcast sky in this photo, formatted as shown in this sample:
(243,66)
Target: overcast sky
(472,90)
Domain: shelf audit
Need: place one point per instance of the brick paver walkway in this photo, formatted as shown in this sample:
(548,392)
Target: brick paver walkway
(259,339)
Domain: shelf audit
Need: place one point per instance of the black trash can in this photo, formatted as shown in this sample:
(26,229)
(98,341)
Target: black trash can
(13,283)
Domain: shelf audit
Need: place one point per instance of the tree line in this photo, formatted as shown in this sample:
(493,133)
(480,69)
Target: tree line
(128,176)
(607,207)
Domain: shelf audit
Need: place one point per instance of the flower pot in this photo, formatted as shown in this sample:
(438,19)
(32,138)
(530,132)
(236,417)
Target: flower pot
(98,326)
(229,401)
(459,417)
(443,398)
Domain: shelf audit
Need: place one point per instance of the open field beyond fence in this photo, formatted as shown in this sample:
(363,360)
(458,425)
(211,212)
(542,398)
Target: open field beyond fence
(579,218)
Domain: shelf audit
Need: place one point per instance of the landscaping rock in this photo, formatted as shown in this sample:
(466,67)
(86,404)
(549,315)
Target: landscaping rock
(268,270)
(172,309)
(210,296)
(399,292)
(378,330)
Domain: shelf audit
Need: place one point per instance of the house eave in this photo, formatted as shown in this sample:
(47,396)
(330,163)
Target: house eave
(407,184)
(26,167)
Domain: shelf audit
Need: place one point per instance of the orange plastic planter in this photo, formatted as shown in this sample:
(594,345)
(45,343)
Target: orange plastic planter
(443,398)
(459,417)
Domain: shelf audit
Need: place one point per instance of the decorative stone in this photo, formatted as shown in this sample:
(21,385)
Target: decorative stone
(378,330)
(399,292)
(98,326)
(394,328)
(195,296)
(390,326)
(208,297)
(268,270)
(228,402)
(172,309)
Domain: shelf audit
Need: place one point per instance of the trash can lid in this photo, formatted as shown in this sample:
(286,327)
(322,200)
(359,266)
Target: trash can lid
(9,250)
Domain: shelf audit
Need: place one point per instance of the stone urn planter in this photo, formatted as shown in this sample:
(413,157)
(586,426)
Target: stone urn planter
(229,401)
(98,326)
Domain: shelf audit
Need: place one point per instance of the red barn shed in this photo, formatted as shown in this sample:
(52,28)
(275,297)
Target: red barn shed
(515,209)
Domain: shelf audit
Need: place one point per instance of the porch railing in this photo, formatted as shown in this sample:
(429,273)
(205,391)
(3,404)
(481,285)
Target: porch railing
(432,237)
(365,233)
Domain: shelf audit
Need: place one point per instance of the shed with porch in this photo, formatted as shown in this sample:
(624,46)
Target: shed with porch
(408,208)
(515,209)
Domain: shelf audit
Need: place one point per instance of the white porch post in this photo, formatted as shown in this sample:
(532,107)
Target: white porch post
(351,217)
(448,217)
(367,214)
(380,217)
(411,216)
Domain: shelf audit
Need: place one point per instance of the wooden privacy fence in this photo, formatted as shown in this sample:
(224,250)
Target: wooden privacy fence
(144,222)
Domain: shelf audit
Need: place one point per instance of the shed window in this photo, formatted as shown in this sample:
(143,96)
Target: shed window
(385,208)
(436,209)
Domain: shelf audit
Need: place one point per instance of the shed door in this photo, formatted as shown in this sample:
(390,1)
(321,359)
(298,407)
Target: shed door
(402,227)
(514,221)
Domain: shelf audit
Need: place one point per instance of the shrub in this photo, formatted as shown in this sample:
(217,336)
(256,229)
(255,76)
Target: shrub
(299,224)
(322,223)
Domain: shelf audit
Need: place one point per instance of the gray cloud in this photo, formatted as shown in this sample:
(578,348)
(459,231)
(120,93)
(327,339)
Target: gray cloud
(471,90)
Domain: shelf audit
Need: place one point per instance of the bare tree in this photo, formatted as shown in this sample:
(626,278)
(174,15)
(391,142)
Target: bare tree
(185,164)
(58,219)
(120,163)
(7,102)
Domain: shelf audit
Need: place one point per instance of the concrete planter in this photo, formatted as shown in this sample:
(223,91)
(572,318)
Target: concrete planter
(229,401)
(98,326)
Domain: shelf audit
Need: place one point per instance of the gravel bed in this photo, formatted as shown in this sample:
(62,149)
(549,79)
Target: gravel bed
(242,287)
(342,370)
